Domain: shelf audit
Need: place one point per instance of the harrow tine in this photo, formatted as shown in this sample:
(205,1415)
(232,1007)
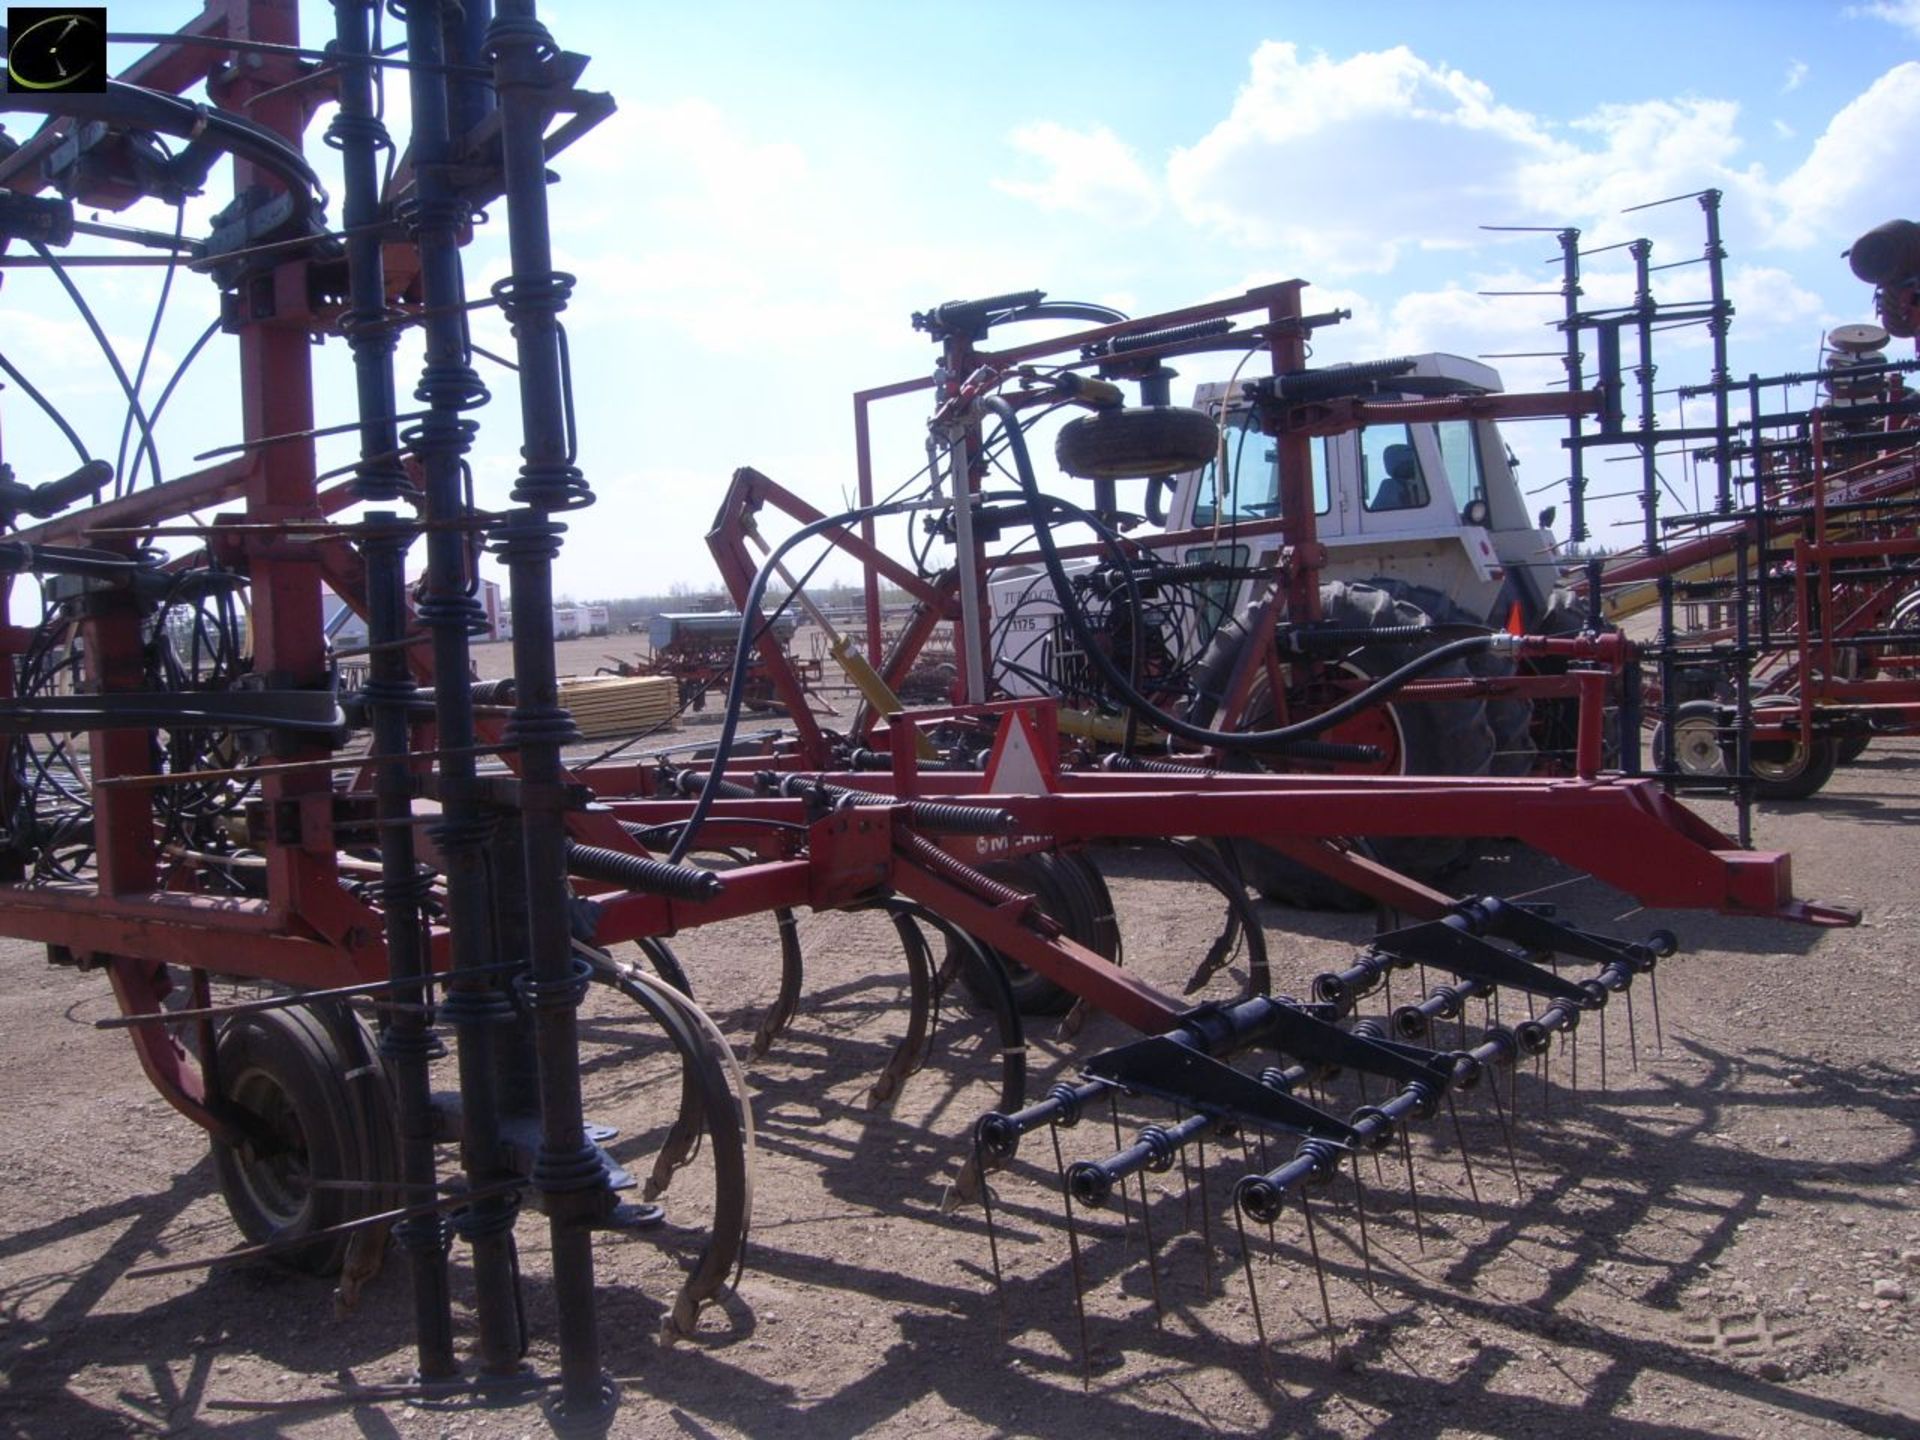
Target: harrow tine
(1653,995)
(1603,1052)
(1633,1039)
(1360,1209)
(993,1240)
(1113,1114)
(1206,1218)
(1319,1275)
(1466,1160)
(1506,1133)
(1413,1191)
(1153,1259)
(1253,1298)
(1079,1276)
(1186,1174)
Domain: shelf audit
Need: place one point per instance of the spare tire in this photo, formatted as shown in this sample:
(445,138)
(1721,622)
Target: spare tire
(1136,444)
(1448,737)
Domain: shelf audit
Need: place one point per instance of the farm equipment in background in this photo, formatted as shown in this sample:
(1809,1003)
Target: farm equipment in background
(696,650)
(1803,564)
(417,856)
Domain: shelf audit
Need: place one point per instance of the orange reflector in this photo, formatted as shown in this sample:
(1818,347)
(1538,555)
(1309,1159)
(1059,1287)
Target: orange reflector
(1516,622)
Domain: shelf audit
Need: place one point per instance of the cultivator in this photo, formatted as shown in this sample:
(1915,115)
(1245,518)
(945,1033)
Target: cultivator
(192,798)
(1785,596)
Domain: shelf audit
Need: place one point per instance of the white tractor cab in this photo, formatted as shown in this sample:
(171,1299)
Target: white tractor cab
(1428,511)
(1432,505)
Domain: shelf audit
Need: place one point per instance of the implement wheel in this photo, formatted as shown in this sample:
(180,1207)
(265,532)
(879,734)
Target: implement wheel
(1793,769)
(286,1074)
(1072,892)
(1136,444)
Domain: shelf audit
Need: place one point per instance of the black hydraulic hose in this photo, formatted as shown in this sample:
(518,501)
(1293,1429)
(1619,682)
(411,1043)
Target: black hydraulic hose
(135,105)
(1200,735)
(742,657)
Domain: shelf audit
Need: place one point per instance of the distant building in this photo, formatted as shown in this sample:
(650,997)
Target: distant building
(347,631)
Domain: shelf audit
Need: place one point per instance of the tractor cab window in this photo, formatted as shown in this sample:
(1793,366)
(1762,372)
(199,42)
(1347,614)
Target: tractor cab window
(1390,470)
(1460,451)
(1253,477)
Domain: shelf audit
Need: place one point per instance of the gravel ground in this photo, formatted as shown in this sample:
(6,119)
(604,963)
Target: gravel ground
(1724,1241)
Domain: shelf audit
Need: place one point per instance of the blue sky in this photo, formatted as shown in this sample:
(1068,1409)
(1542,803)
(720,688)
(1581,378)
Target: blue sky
(784,184)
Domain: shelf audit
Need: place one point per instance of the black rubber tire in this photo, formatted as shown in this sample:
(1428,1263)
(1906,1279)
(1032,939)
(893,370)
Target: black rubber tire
(287,1070)
(1136,444)
(1510,718)
(1060,884)
(1849,748)
(1701,751)
(1444,738)
(1793,769)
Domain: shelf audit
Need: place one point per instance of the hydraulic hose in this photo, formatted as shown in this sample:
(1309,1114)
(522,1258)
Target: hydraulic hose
(743,653)
(1200,735)
(137,106)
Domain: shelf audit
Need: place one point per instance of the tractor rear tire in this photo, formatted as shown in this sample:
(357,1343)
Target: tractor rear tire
(1448,737)
(1136,444)
(1509,718)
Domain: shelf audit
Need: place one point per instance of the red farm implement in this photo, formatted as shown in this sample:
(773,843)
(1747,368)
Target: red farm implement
(192,797)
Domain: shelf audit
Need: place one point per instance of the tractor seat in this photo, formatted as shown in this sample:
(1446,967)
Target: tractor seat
(1403,489)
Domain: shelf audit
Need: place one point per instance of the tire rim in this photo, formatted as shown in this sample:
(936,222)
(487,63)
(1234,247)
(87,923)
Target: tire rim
(1378,725)
(1696,748)
(279,1182)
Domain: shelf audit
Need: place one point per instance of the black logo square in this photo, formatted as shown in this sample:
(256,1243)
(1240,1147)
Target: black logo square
(53,49)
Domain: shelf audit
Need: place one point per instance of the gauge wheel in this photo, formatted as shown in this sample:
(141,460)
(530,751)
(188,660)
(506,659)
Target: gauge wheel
(285,1075)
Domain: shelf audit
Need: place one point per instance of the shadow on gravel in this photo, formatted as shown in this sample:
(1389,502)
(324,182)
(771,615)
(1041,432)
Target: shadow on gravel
(1601,1175)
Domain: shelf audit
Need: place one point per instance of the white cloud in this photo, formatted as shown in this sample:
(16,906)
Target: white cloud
(1783,129)
(1903,13)
(1859,169)
(1766,298)
(1344,166)
(1343,163)
(1796,75)
(1086,172)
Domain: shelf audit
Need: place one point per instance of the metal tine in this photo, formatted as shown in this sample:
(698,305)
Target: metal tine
(1653,994)
(1573,1064)
(1466,1160)
(1506,1131)
(1413,1190)
(1272,1242)
(1360,1209)
(1126,1217)
(993,1238)
(1379,1174)
(1603,1050)
(1153,1259)
(1186,1174)
(1319,1274)
(1206,1219)
(1073,1246)
(1633,1038)
(1253,1298)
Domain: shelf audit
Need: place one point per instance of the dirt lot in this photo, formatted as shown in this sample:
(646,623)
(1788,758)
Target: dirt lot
(1724,1242)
